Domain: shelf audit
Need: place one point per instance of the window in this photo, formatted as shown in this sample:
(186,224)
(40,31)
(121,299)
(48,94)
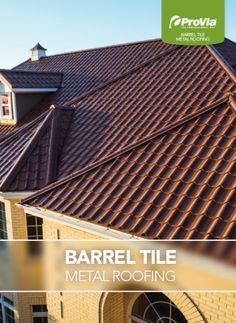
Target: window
(5,106)
(34,227)
(6,310)
(1,314)
(40,313)
(9,314)
(155,307)
(3,223)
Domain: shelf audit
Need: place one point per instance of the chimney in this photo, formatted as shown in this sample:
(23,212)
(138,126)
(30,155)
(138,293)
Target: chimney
(38,52)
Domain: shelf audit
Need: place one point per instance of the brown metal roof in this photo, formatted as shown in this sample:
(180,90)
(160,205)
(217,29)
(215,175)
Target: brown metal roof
(178,183)
(27,79)
(158,93)
(85,70)
(170,83)
(30,162)
(228,51)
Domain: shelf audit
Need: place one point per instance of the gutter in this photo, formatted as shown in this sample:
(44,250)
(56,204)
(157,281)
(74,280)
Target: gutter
(16,195)
(78,224)
(34,90)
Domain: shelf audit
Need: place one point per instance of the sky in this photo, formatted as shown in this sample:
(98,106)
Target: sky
(69,25)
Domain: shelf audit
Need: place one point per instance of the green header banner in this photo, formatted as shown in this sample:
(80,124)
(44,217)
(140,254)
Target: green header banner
(193,22)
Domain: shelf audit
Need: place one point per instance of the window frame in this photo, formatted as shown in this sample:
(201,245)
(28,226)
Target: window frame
(39,314)
(138,319)
(9,105)
(3,222)
(6,304)
(36,226)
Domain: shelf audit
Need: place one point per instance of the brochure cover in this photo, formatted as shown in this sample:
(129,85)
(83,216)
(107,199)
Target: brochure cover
(118,161)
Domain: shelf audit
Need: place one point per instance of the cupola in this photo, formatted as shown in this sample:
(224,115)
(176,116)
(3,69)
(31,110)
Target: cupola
(38,52)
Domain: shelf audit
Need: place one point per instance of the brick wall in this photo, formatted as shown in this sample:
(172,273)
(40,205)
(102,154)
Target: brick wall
(74,307)
(84,307)
(25,302)
(216,307)
(16,220)
(53,230)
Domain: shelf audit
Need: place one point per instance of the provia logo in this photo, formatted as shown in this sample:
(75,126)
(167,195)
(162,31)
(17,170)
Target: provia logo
(201,22)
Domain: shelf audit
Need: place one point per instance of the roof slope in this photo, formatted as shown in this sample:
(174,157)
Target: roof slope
(27,79)
(177,184)
(29,157)
(228,51)
(160,92)
(85,70)
(12,146)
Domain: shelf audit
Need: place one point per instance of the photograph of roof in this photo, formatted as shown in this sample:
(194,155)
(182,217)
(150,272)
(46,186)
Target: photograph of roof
(140,138)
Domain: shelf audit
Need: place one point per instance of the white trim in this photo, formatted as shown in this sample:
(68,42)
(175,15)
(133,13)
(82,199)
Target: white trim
(6,83)
(15,116)
(40,314)
(2,116)
(136,319)
(34,90)
(81,225)
(15,195)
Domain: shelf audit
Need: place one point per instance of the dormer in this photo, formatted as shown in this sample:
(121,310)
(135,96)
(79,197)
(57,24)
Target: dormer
(5,103)
(21,90)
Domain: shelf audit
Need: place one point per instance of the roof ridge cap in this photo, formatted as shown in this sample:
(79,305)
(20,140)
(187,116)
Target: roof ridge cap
(222,62)
(121,76)
(107,47)
(128,148)
(29,71)
(53,149)
(24,154)
(232,101)
(96,48)
(26,126)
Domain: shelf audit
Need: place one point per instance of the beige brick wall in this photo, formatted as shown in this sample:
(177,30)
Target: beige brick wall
(216,307)
(16,220)
(77,307)
(51,230)
(115,308)
(25,302)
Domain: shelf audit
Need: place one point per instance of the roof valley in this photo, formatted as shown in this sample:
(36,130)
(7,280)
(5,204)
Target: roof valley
(26,152)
